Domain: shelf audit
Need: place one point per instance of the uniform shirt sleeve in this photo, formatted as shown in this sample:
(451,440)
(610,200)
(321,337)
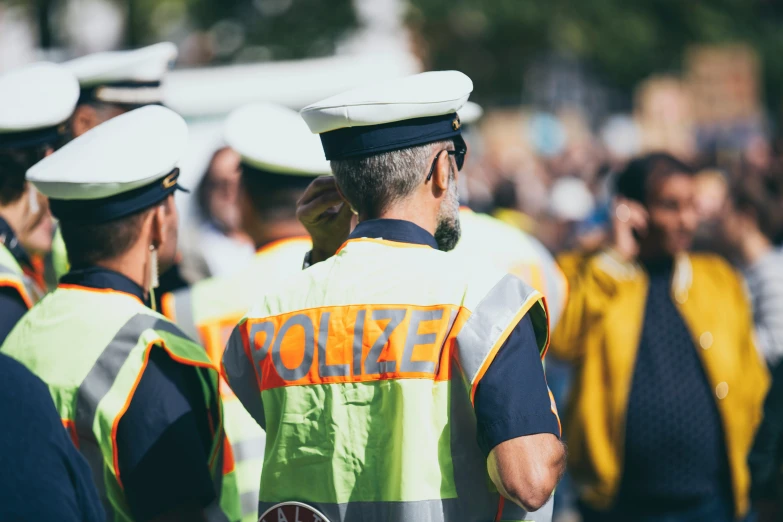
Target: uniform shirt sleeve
(12,308)
(163,441)
(42,475)
(512,399)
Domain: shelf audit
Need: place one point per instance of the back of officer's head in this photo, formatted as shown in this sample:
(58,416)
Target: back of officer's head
(372,183)
(94,243)
(395,147)
(13,166)
(279,157)
(269,197)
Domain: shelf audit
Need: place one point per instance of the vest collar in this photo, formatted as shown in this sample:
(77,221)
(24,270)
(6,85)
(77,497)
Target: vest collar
(99,278)
(612,264)
(395,230)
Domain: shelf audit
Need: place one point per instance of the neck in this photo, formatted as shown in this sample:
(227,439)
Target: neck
(406,212)
(133,264)
(753,247)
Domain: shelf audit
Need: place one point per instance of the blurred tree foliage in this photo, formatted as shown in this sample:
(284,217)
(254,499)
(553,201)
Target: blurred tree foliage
(624,41)
(276,29)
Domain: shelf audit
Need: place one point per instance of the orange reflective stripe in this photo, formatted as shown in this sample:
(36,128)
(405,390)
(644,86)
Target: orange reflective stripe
(273,245)
(18,285)
(70,427)
(215,333)
(167,306)
(553,407)
(229,462)
(356,343)
(385,242)
(501,503)
(116,422)
(66,286)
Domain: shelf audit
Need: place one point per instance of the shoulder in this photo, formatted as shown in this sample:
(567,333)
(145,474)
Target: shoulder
(21,391)
(714,268)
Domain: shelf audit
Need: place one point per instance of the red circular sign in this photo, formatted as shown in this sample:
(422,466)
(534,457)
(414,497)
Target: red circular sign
(292,512)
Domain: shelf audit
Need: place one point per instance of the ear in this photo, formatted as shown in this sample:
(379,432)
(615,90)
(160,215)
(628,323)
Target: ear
(340,192)
(158,219)
(84,118)
(442,172)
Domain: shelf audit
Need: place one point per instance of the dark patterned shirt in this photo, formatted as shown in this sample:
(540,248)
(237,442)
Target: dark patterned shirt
(674,447)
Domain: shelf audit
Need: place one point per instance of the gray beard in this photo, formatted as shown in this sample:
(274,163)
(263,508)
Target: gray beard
(448,231)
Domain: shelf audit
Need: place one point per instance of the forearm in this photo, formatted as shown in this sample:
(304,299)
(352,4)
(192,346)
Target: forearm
(526,470)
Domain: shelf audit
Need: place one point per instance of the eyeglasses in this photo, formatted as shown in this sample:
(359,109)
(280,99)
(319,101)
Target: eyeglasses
(459,157)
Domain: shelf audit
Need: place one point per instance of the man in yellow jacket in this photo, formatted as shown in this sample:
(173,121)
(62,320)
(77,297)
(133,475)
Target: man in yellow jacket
(668,383)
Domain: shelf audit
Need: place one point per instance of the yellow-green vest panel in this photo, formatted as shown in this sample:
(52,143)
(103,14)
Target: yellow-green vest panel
(516,252)
(362,370)
(12,276)
(90,347)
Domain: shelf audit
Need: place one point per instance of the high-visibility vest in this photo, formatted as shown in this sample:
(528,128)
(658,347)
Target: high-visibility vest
(91,347)
(208,311)
(363,370)
(514,251)
(12,276)
(59,255)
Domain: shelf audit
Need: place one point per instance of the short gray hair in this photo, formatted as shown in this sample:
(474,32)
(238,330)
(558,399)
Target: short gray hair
(373,183)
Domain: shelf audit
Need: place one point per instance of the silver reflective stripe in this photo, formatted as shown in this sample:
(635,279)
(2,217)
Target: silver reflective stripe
(183,313)
(488,321)
(101,376)
(446,510)
(97,384)
(249,449)
(512,512)
(33,291)
(249,502)
(242,375)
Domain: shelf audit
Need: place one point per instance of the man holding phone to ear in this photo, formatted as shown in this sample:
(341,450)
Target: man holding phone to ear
(668,384)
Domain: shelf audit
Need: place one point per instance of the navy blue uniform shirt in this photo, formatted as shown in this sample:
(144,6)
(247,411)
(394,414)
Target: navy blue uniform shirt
(512,399)
(42,475)
(164,437)
(12,306)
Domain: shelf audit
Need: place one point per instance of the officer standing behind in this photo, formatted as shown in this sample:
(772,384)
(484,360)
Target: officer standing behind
(34,102)
(395,382)
(139,398)
(113,83)
(280,157)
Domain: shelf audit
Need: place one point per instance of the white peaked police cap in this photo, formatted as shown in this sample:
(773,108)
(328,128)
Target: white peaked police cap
(118,168)
(274,139)
(34,103)
(130,78)
(391,115)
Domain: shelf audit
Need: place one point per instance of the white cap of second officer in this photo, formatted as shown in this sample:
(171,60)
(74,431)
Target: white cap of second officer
(116,169)
(273,139)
